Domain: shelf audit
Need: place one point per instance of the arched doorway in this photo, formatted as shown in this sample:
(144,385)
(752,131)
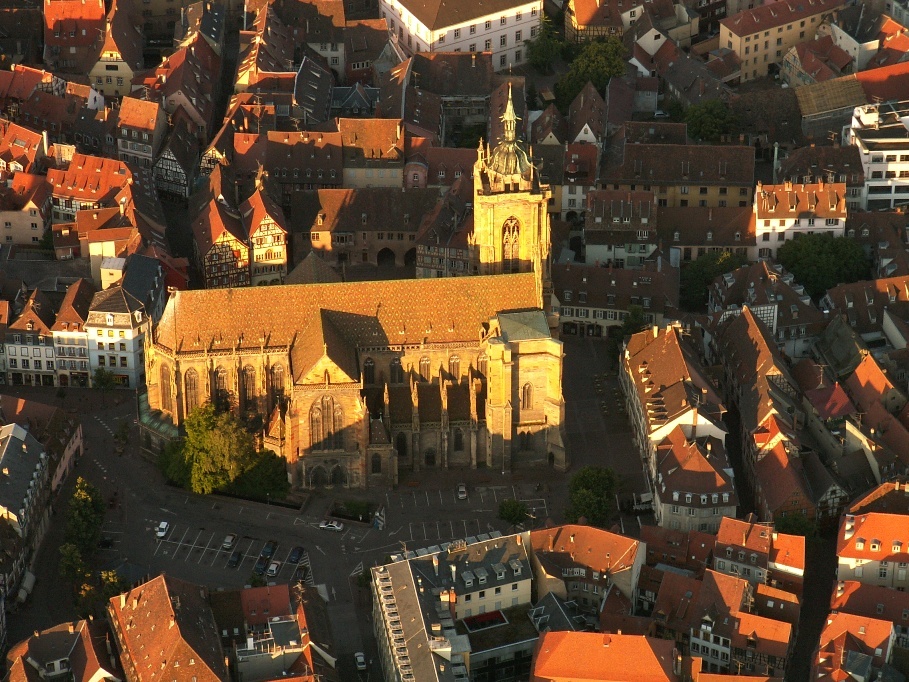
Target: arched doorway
(338,475)
(410,258)
(318,476)
(385,258)
(430,457)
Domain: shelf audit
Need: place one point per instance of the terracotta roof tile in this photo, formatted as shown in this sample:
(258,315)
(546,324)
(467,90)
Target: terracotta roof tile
(766,17)
(573,655)
(74,310)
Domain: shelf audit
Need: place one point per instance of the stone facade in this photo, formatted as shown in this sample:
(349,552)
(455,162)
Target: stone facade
(347,403)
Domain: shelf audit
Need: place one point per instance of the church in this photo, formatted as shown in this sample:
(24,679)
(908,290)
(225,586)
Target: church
(355,382)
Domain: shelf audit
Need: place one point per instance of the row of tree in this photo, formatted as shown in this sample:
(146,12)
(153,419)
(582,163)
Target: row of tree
(84,523)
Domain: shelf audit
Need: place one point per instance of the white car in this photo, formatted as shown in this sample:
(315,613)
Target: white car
(462,491)
(162,530)
(273,568)
(336,526)
(360,660)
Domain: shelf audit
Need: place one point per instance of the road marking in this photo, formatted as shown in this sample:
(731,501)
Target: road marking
(188,553)
(167,511)
(321,550)
(358,570)
(425,532)
(365,534)
(427,498)
(395,532)
(207,546)
(451,527)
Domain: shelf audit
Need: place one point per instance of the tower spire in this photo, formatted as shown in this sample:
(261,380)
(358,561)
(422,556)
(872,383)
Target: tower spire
(509,119)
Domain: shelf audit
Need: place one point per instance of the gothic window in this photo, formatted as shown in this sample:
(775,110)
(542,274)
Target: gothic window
(511,242)
(338,428)
(401,444)
(482,363)
(315,427)
(219,387)
(369,372)
(191,390)
(458,440)
(454,366)
(397,372)
(277,382)
(526,441)
(376,463)
(166,398)
(424,368)
(527,397)
(249,387)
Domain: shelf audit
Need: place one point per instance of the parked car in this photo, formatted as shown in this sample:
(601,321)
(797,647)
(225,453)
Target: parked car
(229,541)
(261,565)
(273,568)
(235,558)
(336,526)
(162,530)
(269,550)
(360,660)
(296,554)
(462,491)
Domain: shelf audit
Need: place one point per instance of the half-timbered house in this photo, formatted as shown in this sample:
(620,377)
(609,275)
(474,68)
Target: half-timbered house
(267,230)
(177,165)
(220,240)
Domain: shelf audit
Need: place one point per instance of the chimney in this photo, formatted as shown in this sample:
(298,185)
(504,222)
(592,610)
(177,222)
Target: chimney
(435,564)
(656,331)
(122,206)
(173,621)
(454,572)
(72,628)
(123,600)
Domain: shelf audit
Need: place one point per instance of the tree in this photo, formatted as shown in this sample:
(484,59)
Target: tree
(708,120)
(545,48)
(104,381)
(530,96)
(217,449)
(512,512)
(266,478)
(634,321)
(85,517)
(597,63)
(698,275)
(819,261)
(71,566)
(173,464)
(796,524)
(591,494)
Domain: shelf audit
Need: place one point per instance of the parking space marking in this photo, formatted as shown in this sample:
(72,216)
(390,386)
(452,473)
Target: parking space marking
(190,551)
(207,547)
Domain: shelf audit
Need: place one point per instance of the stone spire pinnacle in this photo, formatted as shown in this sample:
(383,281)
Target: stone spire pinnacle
(509,119)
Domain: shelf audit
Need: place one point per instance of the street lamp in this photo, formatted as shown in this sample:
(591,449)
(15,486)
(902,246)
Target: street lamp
(268,499)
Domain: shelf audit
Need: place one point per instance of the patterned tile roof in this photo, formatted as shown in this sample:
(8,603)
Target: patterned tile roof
(368,314)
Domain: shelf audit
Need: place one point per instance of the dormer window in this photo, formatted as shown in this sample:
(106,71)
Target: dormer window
(715,498)
(363,218)
(753,558)
(729,552)
(897,546)
(688,498)
(109,320)
(738,236)
(675,496)
(741,555)
(860,543)
(709,235)
(725,497)
(29,325)
(875,546)
(703,499)
(567,295)
(675,236)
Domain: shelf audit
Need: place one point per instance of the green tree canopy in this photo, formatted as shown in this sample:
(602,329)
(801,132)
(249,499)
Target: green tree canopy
(71,566)
(103,379)
(545,48)
(697,276)
(512,511)
(708,120)
(820,262)
(85,517)
(597,63)
(217,449)
(634,322)
(591,494)
(266,478)
(796,524)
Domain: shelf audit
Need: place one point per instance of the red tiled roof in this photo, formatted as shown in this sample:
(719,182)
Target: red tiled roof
(564,656)
(261,604)
(90,178)
(73,22)
(845,631)
(886,83)
(766,17)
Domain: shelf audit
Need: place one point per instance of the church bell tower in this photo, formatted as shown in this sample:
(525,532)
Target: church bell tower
(511,231)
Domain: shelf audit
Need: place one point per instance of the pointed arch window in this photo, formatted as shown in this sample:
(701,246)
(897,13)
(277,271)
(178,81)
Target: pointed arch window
(527,397)
(369,372)
(191,390)
(167,403)
(397,372)
(249,387)
(315,427)
(219,392)
(424,368)
(401,444)
(454,366)
(482,364)
(458,440)
(376,463)
(511,242)
(277,382)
